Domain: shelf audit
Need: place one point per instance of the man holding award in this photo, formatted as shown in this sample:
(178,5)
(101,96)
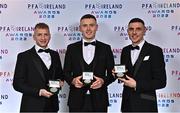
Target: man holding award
(38,74)
(145,71)
(87,69)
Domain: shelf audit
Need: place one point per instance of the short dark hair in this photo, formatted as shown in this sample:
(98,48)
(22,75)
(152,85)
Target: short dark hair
(88,16)
(41,26)
(136,20)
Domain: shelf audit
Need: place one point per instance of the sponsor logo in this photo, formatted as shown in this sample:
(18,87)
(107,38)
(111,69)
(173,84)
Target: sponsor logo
(160,10)
(175,74)
(6,76)
(17,33)
(103,10)
(3,6)
(71,33)
(170,53)
(3,97)
(3,52)
(114,97)
(176,28)
(46,10)
(167,99)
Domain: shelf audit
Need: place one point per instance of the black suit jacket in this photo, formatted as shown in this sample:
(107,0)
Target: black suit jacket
(103,62)
(29,78)
(149,73)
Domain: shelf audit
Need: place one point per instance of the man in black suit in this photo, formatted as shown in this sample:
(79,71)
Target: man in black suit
(34,68)
(146,71)
(95,57)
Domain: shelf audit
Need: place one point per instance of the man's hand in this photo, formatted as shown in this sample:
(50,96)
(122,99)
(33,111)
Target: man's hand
(113,72)
(130,82)
(61,83)
(98,83)
(45,93)
(77,82)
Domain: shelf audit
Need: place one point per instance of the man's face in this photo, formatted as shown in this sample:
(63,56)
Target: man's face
(42,37)
(88,27)
(136,31)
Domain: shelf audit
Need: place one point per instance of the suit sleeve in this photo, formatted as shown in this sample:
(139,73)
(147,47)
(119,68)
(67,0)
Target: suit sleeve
(158,73)
(20,76)
(109,78)
(68,66)
(58,70)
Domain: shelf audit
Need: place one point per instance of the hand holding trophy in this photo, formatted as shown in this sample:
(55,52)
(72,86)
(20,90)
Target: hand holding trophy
(87,78)
(120,70)
(54,86)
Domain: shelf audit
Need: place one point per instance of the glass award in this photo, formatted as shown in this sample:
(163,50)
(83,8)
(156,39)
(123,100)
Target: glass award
(120,70)
(54,86)
(87,78)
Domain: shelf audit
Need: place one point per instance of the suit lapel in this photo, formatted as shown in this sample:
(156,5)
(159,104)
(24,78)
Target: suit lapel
(53,63)
(80,53)
(142,54)
(96,54)
(36,60)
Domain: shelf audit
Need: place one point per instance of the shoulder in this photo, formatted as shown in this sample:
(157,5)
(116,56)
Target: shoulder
(26,52)
(75,44)
(102,44)
(154,47)
(126,47)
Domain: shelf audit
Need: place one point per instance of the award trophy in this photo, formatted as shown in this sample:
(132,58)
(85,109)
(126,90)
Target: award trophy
(54,86)
(120,70)
(87,78)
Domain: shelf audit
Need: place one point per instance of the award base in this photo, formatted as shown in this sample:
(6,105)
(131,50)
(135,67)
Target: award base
(119,75)
(54,90)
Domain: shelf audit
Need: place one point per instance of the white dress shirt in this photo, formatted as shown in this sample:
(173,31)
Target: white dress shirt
(135,53)
(88,52)
(45,57)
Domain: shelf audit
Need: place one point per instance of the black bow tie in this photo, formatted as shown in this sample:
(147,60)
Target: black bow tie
(134,47)
(91,43)
(44,50)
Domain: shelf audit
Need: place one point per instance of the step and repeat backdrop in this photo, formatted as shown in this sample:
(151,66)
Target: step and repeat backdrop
(18,18)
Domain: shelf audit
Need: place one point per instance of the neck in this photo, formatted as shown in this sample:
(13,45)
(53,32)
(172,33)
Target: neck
(135,44)
(88,40)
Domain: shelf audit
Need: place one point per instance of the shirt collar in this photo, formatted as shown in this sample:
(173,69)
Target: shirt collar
(38,47)
(88,41)
(141,44)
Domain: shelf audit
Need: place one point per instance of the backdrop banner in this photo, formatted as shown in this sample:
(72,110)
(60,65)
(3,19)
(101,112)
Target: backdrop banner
(18,18)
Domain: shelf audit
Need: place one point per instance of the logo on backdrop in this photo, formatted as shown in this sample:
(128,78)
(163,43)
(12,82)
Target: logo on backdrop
(122,31)
(3,6)
(175,74)
(46,10)
(71,33)
(17,33)
(170,53)
(166,100)
(6,76)
(116,53)
(103,10)
(160,10)
(3,52)
(3,98)
(114,97)
(176,29)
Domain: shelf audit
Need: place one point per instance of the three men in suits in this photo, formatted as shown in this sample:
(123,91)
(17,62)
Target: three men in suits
(34,68)
(95,57)
(146,71)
